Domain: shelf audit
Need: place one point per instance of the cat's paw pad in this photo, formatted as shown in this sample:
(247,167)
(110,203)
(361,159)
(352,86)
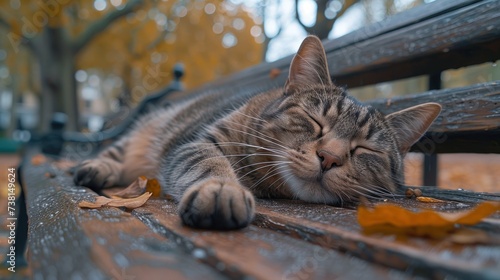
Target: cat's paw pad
(96,174)
(217,204)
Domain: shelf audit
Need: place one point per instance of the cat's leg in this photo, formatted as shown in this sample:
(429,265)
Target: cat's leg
(206,186)
(105,170)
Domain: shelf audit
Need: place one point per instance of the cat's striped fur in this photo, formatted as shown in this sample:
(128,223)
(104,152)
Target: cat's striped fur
(308,141)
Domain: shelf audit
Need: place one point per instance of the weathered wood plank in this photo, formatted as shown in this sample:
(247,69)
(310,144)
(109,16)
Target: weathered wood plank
(258,253)
(469,121)
(459,38)
(338,228)
(66,242)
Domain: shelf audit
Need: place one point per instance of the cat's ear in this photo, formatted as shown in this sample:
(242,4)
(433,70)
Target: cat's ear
(309,66)
(411,123)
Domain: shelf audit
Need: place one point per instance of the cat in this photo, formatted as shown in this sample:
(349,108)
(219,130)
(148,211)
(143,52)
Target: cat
(306,141)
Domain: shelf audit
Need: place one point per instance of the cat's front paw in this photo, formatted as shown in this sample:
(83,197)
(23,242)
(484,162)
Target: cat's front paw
(96,174)
(217,204)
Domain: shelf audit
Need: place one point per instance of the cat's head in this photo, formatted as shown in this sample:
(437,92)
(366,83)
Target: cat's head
(334,148)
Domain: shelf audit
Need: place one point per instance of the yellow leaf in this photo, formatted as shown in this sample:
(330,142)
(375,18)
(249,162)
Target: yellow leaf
(135,189)
(427,199)
(396,216)
(130,203)
(99,202)
(154,187)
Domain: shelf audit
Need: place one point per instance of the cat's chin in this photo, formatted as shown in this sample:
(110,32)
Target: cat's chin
(311,191)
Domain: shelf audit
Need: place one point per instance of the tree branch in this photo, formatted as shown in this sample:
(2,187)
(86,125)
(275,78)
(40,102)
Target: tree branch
(297,16)
(98,26)
(347,5)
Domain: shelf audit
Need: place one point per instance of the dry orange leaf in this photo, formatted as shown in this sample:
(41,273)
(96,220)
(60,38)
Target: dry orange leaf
(275,72)
(153,187)
(396,216)
(427,199)
(38,159)
(138,187)
(135,189)
(99,202)
(130,203)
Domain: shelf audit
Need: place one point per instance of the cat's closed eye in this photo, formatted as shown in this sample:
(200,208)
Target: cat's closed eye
(359,149)
(318,127)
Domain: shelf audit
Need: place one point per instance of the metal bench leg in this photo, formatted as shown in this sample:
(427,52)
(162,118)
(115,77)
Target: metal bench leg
(430,173)
(430,169)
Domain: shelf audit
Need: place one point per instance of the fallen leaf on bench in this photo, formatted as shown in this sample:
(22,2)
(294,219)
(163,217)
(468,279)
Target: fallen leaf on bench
(396,216)
(470,236)
(135,189)
(38,159)
(427,199)
(275,72)
(138,187)
(130,203)
(153,186)
(99,202)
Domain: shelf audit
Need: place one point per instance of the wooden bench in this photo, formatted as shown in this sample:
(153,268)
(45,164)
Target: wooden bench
(291,239)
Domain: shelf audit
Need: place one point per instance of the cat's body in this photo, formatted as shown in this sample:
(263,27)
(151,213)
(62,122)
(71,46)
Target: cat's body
(306,141)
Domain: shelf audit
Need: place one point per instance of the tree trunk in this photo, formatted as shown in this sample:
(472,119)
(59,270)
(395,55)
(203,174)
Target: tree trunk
(56,62)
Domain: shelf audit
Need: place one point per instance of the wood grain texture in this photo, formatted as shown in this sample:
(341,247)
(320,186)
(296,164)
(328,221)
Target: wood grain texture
(337,228)
(66,242)
(258,253)
(469,121)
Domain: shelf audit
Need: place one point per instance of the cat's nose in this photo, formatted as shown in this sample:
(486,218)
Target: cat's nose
(329,160)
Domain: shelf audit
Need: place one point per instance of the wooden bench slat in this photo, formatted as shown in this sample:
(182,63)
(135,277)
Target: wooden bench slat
(467,36)
(260,253)
(125,247)
(469,121)
(338,228)
(465,109)
(65,240)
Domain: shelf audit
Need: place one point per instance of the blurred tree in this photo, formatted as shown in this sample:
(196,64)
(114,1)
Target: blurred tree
(137,40)
(326,14)
(42,27)
(195,33)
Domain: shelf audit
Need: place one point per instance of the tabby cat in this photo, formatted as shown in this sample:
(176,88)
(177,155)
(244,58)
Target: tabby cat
(307,141)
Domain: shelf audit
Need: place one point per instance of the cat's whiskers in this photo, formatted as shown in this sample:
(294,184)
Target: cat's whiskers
(276,152)
(275,170)
(262,167)
(251,117)
(262,162)
(260,135)
(373,191)
(284,179)
(220,156)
